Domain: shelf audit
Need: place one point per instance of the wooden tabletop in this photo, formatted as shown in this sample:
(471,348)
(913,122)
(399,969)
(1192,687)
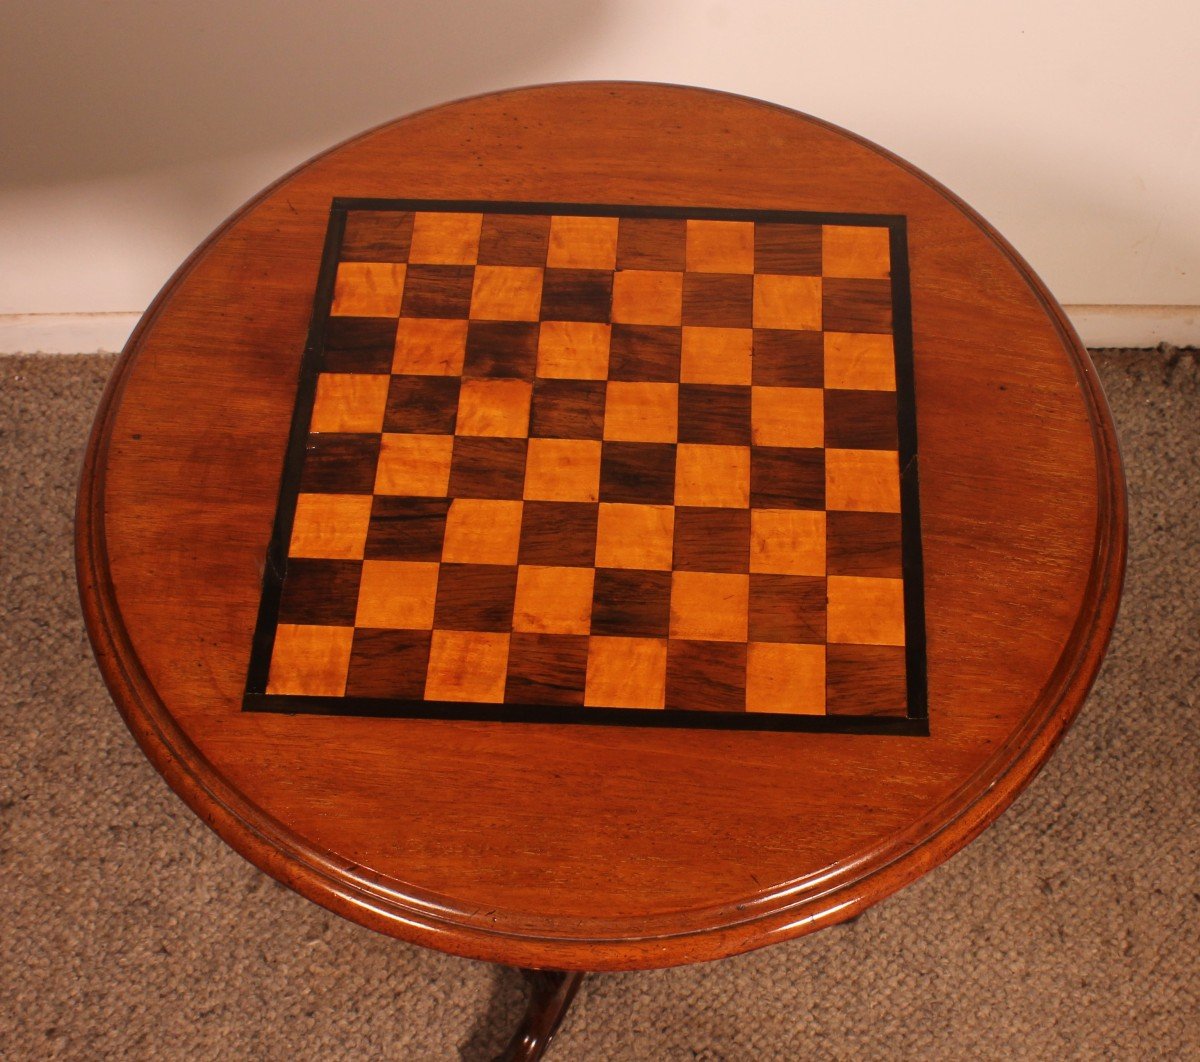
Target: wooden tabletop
(601,526)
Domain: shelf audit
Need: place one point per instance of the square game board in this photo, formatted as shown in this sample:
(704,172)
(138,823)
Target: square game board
(574,463)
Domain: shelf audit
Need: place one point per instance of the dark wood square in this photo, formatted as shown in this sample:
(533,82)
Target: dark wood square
(437,291)
(866,680)
(487,468)
(322,592)
(638,472)
(559,534)
(377,236)
(410,529)
(711,540)
(787,478)
(856,305)
(645,353)
(577,295)
(787,608)
(631,603)
(861,420)
(475,597)
(567,409)
(501,349)
(424,405)
(714,413)
(706,676)
(786,358)
(787,248)
(514,239)
(651,243)
(387,664)
(547,669)
(867,544)
(339,464)
(721,300)
(359,344)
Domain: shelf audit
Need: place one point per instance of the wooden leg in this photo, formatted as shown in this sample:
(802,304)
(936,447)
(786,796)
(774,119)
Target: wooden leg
(550,994)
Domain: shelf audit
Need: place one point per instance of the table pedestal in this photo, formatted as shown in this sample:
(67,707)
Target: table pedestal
(550,994)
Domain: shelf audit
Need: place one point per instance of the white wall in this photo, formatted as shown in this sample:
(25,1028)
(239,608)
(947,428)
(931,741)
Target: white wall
(131,128)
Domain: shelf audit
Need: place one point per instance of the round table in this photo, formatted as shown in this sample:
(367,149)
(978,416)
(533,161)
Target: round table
(601,526)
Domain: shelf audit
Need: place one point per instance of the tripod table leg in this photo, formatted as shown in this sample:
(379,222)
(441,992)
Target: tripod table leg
(550,994)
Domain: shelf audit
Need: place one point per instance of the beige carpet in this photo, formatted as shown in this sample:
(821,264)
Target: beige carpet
(1070,929)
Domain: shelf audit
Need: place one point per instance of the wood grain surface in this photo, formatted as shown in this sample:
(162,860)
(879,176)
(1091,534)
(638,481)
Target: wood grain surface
(571,846)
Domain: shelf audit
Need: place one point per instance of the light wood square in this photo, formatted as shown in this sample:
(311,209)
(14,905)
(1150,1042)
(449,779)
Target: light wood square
(647,296)
(706,606)
(787,302)
(720,246)
(331,526)
(563,470)
(414,465)
(862,480)
(480,531)
(445,238)
(467,666)
(641,412)
(553,600)
(709,475)
(310,661)
(787,416)
(582,242)
(429,346)
(866,611)
(787,541)
(635,536)
(368,289)
(498,408)
(506,293)
(856,251)
(716,355)
(398,595)
(626,673)
(859,362)
(350,402)
(785,677)
(573,350)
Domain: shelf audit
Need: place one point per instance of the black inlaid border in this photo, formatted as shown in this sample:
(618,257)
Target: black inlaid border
(293,463)
(915,724)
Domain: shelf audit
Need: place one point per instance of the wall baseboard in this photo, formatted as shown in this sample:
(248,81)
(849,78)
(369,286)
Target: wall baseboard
(91,333)
(65,333)
(1136,326)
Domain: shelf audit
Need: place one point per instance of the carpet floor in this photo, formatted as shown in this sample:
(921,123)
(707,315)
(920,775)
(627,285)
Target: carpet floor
(1070,929)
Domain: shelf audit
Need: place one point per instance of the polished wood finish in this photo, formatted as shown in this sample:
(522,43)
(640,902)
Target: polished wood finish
(614,847)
